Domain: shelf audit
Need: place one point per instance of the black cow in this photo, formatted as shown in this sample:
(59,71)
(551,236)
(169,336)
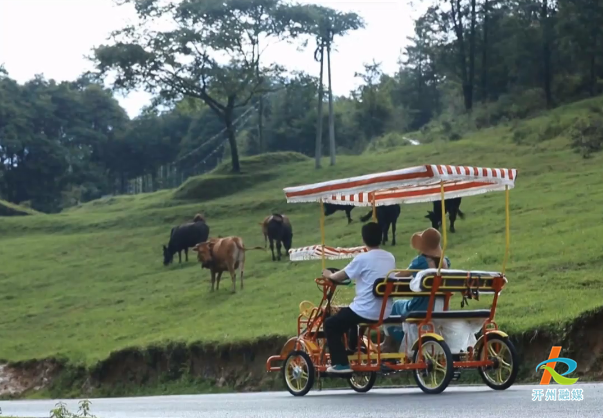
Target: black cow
(184,237)
(331,208)
(452,207)
(386,216)
(279,229)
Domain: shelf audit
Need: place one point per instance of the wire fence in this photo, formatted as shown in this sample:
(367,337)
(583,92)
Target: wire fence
(174,174)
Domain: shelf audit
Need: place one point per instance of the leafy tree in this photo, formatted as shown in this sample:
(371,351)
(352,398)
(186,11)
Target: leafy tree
(211,53)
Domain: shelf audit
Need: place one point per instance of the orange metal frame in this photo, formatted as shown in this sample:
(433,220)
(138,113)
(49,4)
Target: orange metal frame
(314,344)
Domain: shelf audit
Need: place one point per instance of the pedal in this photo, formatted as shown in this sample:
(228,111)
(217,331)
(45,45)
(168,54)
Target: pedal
(456,375)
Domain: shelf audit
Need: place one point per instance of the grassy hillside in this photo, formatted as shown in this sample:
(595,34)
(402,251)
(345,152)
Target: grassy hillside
(10,209)
(90,281)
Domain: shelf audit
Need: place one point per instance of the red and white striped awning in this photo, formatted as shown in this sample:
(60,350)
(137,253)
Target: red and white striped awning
(315,252)
(409,185)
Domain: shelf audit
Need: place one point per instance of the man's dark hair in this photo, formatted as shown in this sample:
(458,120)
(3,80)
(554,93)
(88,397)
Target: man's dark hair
(371,234)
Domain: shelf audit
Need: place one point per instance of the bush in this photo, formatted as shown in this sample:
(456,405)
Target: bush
(552,129)
(587,135)
(387,141)
(61,411)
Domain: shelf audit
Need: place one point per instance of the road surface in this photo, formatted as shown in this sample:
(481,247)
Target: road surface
(455,402)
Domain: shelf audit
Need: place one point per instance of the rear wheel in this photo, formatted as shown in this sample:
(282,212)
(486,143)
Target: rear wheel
(503,373)
(362,382)
(439,372)
(298,373)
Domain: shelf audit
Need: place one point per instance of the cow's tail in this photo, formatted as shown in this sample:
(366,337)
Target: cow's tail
(253,248)
(243,248)
(461,214)
(366,217)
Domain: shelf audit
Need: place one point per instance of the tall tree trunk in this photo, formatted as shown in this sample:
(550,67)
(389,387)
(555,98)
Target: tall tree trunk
(593,64)
(260,108)
(471,82)
(485,53)
(332,148)
(457,19)
(546,52)
(232,138)
(318,151)
(261,124)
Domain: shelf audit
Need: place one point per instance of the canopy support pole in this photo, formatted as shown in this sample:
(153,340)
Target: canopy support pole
(507,230)
(443,226)
(322,232)
(374,209)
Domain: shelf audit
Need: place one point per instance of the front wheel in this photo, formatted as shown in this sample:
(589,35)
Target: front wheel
(298,373)
(503,373)
(362,382)
(439,372)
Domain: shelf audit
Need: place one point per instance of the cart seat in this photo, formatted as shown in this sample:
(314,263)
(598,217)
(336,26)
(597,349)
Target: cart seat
(393,319)
(462,314)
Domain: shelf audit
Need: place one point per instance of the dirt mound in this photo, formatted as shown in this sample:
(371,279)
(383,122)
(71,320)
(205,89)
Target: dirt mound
(18,378)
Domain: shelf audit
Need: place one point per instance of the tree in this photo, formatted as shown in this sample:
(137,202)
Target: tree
(330,24)
(211,53)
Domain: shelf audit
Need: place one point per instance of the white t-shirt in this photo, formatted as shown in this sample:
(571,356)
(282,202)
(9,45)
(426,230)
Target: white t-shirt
(365,268)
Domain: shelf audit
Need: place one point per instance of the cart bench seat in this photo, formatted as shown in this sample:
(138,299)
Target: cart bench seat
(461,314)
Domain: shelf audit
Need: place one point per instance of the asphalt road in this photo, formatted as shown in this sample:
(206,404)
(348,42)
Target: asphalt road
(455,402)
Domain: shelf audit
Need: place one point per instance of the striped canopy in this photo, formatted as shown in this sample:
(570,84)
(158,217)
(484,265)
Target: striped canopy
(408,185)
(315,252)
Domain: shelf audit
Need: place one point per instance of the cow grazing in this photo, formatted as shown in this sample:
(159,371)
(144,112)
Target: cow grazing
(264,226)
(183,237)
(386,216)
(452,207)
(223,254)
(331,208)
(278,228)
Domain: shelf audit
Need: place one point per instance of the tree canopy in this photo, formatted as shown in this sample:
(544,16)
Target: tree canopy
(469,64)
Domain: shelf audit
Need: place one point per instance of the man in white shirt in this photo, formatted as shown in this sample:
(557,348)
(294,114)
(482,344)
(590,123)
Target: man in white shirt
(365,269)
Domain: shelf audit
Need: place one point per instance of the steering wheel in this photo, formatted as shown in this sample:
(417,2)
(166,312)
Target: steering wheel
(345,282)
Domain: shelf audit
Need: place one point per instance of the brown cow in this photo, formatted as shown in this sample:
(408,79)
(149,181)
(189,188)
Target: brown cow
(265,227)
(223,254)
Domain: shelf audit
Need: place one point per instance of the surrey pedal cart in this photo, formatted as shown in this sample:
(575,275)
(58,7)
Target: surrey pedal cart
(438,342)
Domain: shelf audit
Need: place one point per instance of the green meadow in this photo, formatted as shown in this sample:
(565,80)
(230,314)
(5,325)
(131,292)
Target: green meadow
(90,280)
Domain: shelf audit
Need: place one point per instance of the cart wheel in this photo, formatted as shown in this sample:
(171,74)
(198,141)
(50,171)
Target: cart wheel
(362,382)
(298,373)
(503,373)
(440,371)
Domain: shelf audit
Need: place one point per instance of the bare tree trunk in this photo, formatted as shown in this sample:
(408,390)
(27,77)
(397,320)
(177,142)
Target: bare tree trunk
(485,53)
(230,132)
(318,151)
(332,147)
(472,54)
(457,20)
(593,68)
(261,108)
(261,124)
(546,52)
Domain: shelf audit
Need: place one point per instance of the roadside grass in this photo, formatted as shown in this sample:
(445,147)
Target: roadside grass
(89,281)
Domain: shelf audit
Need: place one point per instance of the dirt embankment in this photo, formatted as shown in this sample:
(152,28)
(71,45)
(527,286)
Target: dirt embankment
(242,367)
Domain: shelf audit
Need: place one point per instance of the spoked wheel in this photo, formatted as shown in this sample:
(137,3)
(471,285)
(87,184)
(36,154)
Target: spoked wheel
(502,374)
(298,373)
(362,382)
(439,372)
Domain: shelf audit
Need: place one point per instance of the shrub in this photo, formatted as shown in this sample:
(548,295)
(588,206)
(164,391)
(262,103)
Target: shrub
(587,135)
(61,411)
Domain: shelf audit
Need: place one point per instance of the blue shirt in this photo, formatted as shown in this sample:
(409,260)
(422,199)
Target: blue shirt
(420,303)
